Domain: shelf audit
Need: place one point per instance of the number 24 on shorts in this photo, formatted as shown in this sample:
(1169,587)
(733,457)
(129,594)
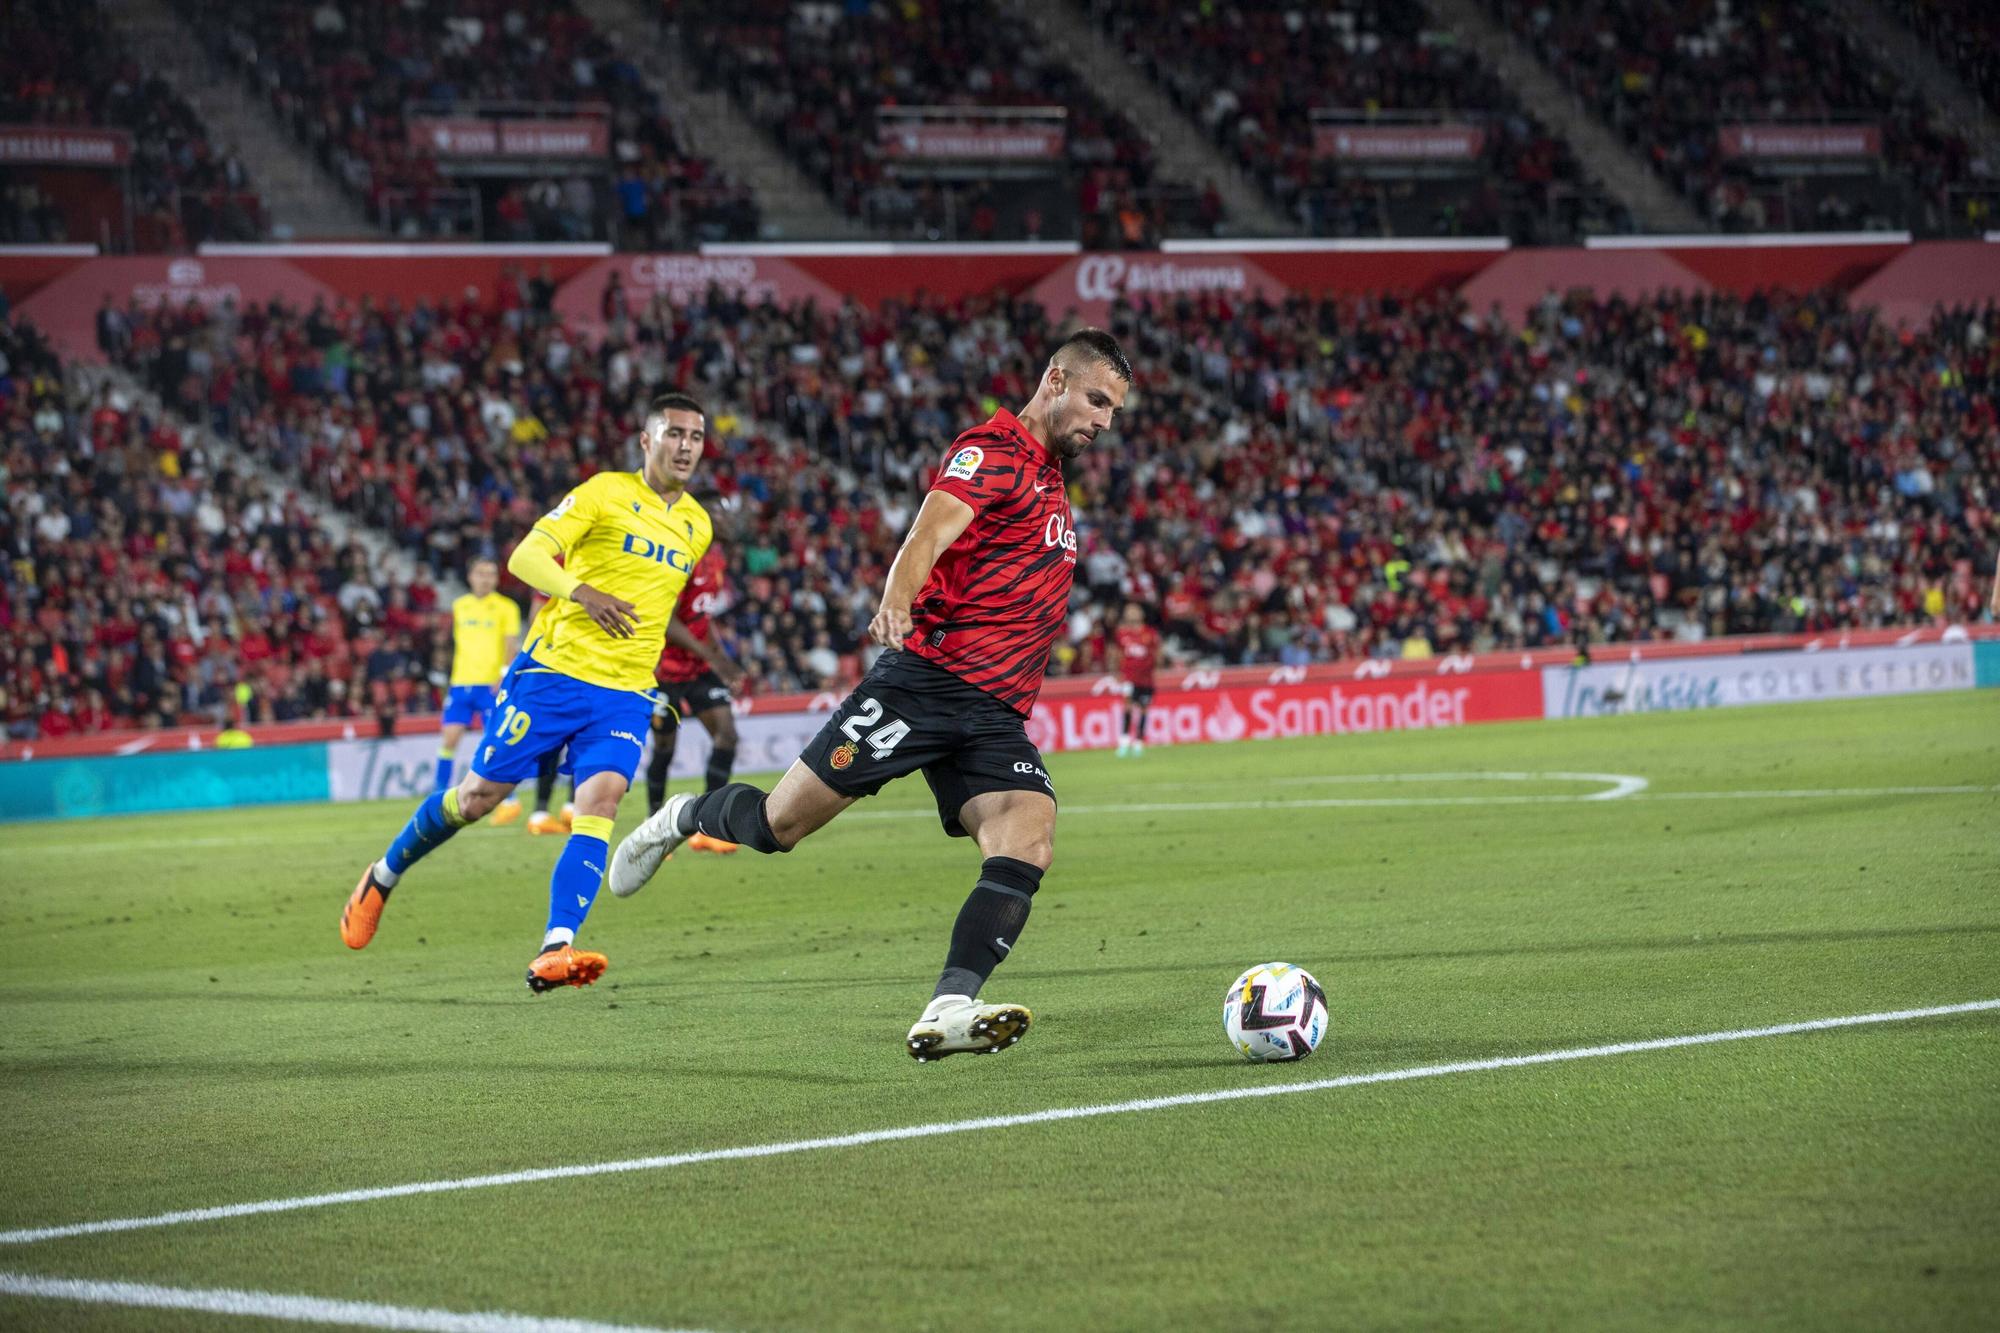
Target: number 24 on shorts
(883,740)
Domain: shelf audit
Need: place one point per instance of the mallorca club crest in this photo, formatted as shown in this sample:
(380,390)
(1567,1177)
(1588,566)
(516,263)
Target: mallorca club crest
(842,756)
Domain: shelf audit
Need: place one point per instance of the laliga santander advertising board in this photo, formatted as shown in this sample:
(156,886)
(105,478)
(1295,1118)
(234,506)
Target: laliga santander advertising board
(1293,701)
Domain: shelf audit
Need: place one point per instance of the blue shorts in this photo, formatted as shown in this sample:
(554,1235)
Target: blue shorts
(540,711)
(463,704)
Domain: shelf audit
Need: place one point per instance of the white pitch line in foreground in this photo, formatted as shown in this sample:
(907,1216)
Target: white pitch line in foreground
(939,1129)
(295,1309)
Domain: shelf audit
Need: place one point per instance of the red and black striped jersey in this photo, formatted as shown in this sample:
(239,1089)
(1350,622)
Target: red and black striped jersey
(703,596)
(997,599)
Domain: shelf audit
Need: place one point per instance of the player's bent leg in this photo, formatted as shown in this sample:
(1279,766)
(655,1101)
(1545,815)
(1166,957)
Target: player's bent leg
(739,813)
(720,724)
(1015,831)
(573,887)
(437,818)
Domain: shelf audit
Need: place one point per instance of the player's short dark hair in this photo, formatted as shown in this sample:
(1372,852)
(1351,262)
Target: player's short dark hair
(1099,346)
(674,402)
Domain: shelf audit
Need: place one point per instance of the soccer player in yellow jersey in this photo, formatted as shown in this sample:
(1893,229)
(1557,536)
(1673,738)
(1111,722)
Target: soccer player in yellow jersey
(629,541)
(485,635)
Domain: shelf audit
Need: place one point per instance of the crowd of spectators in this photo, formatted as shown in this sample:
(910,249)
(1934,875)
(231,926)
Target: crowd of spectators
(1252,75)
(1291,482)
(815,77)
(1966,33)
(340,75)
(144,586)
(62,65)
(1668,76)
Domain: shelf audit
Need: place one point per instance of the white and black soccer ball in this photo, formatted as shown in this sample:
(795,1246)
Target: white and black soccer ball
(1274,1011)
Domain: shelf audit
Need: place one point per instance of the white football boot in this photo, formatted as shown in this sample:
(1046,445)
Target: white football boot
(954,1023)
(638,857)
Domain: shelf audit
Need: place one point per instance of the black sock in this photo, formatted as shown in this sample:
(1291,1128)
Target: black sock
(720,762)
(734,814)
(989,925)
(656,768)
(545,781)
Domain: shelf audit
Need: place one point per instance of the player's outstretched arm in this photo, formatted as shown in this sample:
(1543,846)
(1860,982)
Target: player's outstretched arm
(942,520)
(534,563)
(718,661)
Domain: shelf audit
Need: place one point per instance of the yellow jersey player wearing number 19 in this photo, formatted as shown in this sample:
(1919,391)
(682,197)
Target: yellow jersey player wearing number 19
(584,678)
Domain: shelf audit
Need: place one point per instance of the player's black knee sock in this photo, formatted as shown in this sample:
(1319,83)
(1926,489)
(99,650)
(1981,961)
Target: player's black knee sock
(545,779)
(720,762)
(989,925)
(734,814)
(657,766)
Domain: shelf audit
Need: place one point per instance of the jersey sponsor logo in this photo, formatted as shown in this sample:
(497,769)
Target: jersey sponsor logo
(673,557)
(965,462)
(1058,532)
(842,756)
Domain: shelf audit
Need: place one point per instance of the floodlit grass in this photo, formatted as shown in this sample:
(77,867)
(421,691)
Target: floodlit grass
(181,1027)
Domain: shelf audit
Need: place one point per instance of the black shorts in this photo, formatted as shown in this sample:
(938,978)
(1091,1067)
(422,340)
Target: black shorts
(690,698)
(1139,696)
(908,714)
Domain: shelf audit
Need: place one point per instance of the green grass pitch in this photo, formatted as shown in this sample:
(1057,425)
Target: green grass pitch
(180,1027)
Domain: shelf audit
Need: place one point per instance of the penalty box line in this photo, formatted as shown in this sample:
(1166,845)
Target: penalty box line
(31,1235)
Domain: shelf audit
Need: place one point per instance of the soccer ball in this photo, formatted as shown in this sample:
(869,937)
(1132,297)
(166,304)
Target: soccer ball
(1274,1012)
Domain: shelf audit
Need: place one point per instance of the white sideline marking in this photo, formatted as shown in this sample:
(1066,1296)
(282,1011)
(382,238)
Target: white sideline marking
(296,1309)
(30,1235)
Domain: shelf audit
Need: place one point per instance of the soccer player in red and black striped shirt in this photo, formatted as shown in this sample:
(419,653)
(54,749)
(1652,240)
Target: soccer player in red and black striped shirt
(974,603)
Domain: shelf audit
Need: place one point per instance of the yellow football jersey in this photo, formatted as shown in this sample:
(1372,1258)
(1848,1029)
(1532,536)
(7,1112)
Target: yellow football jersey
(480,628)
(621,538)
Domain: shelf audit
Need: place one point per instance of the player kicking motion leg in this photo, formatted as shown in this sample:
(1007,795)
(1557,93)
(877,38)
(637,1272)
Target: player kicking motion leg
(975,600)
(696,677)
(584,679)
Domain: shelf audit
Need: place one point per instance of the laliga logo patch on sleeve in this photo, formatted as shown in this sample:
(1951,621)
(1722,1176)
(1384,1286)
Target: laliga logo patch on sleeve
(965,462)
(568,503)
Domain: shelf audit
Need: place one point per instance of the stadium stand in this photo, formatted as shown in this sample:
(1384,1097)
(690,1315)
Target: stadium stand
(61,65)
(1966,33)
(343,75)
(146,586)
(1253,75)
(1387,477)
(819,78)
(1670,77)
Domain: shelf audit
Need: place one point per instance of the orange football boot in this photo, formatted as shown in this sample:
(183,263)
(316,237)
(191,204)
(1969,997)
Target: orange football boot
(505,813)
(542,822)
(363,911)
(560,965)
(701,842)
